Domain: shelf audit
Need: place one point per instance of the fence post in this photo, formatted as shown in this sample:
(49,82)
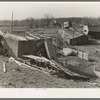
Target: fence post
(4,67)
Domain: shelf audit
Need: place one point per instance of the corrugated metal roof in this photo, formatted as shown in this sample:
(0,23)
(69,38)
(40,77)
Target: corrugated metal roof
(19,37)
(16,37)
(24,36)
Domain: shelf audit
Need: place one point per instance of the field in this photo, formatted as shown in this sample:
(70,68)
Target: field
(8,28)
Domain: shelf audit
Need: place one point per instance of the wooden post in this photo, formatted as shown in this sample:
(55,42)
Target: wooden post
(4,67)
(47,50)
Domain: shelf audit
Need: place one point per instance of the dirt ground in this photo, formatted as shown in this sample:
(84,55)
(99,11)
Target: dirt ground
(94,53)
(19,77)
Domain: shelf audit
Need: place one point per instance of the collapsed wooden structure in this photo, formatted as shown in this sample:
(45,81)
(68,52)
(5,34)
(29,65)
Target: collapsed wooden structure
(53,66)
(27,44)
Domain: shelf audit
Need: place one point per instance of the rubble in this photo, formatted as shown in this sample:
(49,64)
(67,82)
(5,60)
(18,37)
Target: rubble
(68,52)
(74,52)
(52,66)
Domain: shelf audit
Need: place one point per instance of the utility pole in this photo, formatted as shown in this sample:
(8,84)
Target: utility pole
(12,23)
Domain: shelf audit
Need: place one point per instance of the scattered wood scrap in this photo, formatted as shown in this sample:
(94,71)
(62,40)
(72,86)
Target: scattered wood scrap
(53,65)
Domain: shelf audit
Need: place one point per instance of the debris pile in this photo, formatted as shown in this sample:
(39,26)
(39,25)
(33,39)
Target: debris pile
(40,52)
(50,66)
(74,52)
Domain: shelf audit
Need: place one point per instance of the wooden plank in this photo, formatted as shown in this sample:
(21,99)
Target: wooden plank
(47,50)
(4,67)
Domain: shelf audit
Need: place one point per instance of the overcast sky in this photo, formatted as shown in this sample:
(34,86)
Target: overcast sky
(24,10)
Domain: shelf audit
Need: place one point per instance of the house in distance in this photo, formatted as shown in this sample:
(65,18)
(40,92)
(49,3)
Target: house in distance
(67,24)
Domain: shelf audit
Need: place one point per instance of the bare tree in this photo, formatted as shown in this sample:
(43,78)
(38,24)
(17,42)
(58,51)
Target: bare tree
(48,18)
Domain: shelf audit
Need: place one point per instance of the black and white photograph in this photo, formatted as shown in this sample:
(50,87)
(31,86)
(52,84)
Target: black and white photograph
(49,45)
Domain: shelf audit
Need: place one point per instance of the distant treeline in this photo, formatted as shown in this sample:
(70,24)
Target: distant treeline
(49,22)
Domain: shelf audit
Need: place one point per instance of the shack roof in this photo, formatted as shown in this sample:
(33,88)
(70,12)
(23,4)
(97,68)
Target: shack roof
(24,36)
(17,37)
(70,32)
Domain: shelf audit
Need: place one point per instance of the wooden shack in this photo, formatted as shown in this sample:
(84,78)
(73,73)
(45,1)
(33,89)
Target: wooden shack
(16,46)
(93,31)
(73,37)
(26,44)
(67,24)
